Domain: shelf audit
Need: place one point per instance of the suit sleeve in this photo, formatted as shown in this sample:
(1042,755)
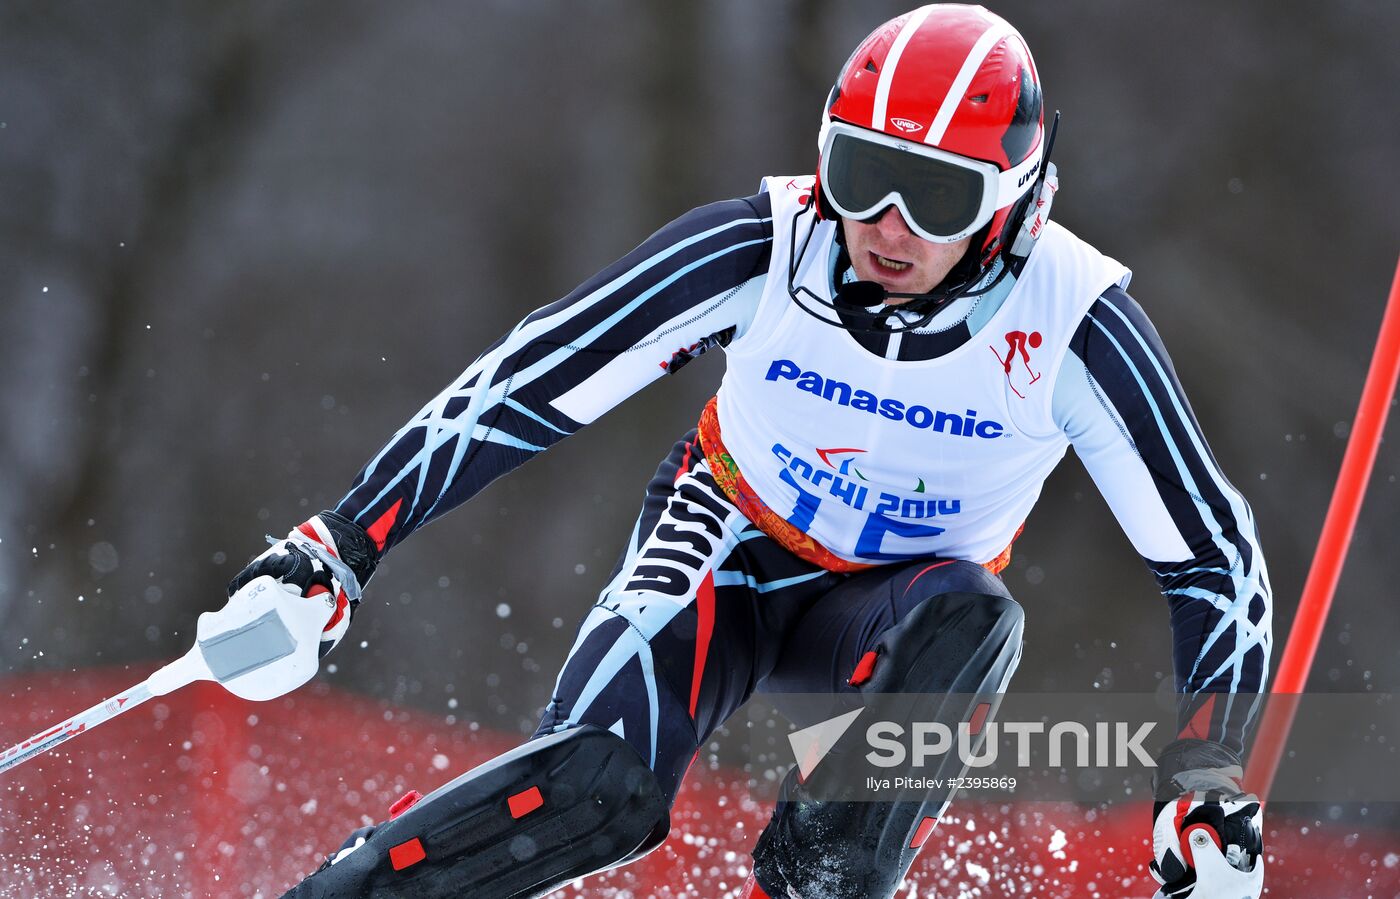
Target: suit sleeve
(1119,401)
(690,286)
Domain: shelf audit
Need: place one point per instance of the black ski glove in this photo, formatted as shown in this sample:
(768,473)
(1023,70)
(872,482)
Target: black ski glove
(328,555)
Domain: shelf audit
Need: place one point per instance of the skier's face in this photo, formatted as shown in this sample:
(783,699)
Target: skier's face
(886,251)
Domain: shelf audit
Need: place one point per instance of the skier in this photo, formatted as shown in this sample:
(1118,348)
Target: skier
(838,519)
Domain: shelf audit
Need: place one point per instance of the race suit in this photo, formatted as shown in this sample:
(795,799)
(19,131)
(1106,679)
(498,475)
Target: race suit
(827,452)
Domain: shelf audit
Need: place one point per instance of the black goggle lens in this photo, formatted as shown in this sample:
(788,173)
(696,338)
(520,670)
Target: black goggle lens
(942,198)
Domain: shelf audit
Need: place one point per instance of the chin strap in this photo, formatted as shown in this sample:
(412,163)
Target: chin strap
(861,305)
(865,302)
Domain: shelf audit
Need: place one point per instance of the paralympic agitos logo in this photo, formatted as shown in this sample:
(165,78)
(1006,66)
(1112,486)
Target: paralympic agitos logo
(922,417)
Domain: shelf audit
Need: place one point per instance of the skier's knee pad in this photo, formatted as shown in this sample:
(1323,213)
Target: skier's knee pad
(962,643)
(947,656)
(548,812)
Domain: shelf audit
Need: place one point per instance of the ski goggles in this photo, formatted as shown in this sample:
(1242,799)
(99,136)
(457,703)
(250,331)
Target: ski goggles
(943,197)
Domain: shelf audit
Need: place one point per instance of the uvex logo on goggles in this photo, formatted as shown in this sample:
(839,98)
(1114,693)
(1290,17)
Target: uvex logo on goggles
(916,416)
(943,197)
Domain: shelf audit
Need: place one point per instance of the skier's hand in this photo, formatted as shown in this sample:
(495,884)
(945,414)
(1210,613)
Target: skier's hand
(1207,840)
(327,556)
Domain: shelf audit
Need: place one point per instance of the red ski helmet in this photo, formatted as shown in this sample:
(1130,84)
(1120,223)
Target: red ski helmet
(938,112)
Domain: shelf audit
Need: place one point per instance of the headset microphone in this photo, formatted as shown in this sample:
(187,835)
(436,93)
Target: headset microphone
(861,294)
(864,295)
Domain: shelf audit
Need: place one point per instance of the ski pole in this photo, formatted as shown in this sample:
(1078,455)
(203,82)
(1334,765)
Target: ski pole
(103,711)
(1332,547)
(263,644)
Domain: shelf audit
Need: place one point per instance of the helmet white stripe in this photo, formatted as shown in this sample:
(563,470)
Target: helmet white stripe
(1000,29)
(882,89)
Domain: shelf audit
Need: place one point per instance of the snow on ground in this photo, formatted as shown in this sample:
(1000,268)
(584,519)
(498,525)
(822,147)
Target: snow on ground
(201,795)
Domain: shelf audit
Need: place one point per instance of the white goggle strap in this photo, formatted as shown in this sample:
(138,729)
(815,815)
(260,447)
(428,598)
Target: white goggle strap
(1014,182)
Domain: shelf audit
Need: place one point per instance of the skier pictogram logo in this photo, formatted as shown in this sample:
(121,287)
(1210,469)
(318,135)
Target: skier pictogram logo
(1018,343)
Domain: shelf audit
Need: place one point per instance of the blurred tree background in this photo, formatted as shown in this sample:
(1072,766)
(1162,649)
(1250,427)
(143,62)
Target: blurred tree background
(244,242)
